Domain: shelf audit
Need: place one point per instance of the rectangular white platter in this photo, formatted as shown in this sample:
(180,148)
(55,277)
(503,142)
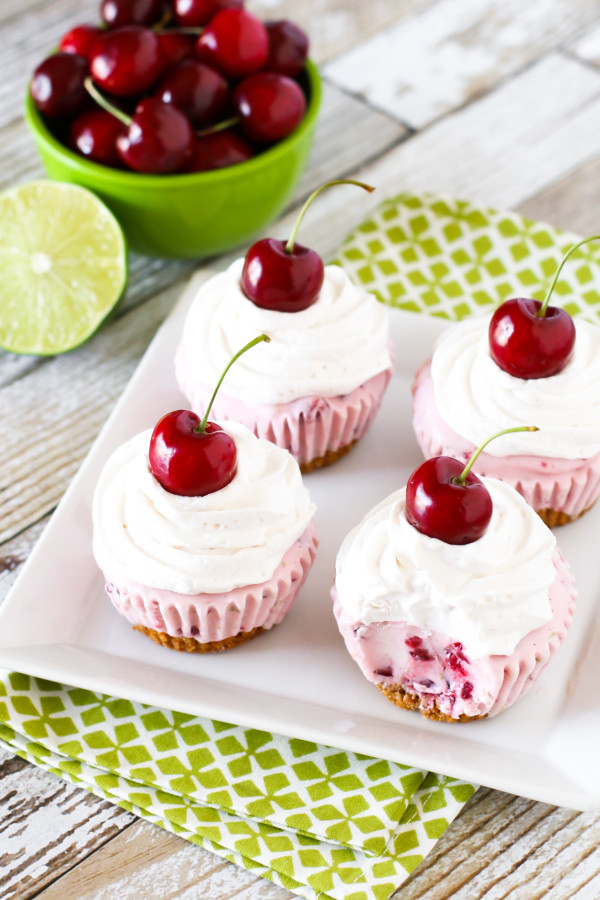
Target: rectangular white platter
(297,679)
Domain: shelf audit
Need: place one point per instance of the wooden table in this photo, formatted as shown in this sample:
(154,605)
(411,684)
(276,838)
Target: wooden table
(493,100)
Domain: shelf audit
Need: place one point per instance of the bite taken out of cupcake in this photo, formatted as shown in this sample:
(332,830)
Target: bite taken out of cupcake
(204,532)
(531,360)
(451,595)
(318,388)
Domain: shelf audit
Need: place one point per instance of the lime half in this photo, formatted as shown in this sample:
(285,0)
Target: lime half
(63,266)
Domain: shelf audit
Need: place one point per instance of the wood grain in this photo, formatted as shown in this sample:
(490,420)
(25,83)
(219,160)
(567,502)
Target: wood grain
(443,57)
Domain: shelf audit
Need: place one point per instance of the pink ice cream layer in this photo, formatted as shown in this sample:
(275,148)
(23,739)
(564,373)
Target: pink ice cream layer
(308,427)
(565,485)
(439,671)
(214,617)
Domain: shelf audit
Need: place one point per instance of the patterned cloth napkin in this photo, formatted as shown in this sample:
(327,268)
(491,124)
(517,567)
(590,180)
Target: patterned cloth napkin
(320,822)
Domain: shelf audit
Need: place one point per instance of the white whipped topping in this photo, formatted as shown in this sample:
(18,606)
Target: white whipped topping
(488,594)
(476,398)
(329,349)
(233,537)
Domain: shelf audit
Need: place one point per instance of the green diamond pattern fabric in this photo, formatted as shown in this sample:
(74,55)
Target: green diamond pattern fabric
(319,821)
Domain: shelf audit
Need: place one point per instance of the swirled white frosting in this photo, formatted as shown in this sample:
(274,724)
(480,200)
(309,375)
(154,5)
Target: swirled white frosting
(476,398)
(487,594)
(233,537)
(329,349)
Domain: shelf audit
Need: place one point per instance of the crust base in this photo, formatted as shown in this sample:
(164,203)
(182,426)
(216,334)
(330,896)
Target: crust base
(401,698)
(553,517)
(330,457)
(191,645)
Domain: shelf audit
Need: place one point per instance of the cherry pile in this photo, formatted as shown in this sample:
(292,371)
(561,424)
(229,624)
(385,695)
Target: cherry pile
(168,86)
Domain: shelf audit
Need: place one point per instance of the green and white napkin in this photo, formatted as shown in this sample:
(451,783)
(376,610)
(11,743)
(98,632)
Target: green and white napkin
(319,821)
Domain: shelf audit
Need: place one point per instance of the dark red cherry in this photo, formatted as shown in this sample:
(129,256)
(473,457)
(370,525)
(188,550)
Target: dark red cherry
(194,13)
(274,278)
(126,61)
(80,39)
(447,501)
(57,87)
(194,457)
(528,345)
(94,134)
(235,42)
(270,106)
(440,507)
(288,48)
(218,150)
(116,13)
(175,46)
(159,139)
(199,91)
(286,276)
(188,461)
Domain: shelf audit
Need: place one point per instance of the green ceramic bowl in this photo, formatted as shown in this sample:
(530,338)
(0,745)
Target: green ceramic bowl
(190,215)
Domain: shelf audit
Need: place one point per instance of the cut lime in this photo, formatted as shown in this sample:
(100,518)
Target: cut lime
(63,266)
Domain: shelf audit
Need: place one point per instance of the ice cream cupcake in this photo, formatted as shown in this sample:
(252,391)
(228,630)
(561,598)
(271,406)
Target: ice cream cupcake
(458,631)
(317,388)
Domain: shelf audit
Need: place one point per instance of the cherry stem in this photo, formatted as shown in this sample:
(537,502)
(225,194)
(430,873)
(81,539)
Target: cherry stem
(257,340)
(460,479)
(289,247)
(104,103)
(220,126)
(159,29)
(162,23)
(542,310)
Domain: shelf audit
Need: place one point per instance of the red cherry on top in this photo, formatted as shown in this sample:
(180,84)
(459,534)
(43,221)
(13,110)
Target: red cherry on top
(193,13)
(80,39)
(288,48)
(528,345)
(126,61)
(447,501)
(191,457)
(285,276)
(57,87)
(530,339)
(235,42)
(270,106)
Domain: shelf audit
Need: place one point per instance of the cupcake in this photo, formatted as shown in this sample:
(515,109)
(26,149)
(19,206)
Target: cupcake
(462,393)
(317,389)
(458,631)
(204,573)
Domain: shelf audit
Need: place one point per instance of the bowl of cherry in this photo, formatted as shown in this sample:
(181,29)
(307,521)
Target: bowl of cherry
(191,119)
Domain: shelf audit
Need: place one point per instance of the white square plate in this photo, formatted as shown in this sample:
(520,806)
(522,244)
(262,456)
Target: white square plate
(298,679)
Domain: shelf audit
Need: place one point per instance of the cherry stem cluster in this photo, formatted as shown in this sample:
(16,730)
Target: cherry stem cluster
(105,104)
(289,247)
(460,479)
(257,340)
(542,310)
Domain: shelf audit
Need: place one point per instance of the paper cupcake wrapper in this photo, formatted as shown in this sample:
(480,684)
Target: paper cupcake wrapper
(311,428)
(215,617)
(571,490)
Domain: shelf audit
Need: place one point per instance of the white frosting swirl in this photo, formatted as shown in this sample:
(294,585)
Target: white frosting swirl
(329,349)
(488,594)
(233,537)
(475,397)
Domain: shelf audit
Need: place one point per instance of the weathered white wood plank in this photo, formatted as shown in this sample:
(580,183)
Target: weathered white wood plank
(146,862)
(438,59)
(587,47)
(45,823)
(571,203)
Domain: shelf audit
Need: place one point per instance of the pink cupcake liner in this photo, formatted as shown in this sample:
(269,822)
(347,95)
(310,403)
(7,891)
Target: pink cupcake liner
(568,486)
(215,617)
(310,427)
(436,669)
